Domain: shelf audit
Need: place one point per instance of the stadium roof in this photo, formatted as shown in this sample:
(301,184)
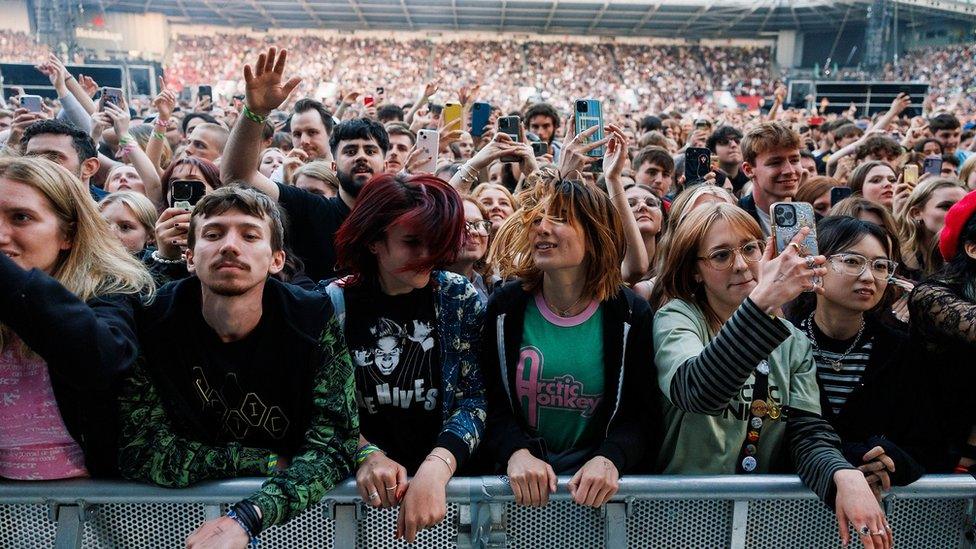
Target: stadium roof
(672,18)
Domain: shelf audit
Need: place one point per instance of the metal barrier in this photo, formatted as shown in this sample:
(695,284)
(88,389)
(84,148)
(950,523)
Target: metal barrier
(671,512)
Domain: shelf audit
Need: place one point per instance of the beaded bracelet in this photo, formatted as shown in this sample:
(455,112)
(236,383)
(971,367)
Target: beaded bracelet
(252,116)
(160,259)
(364,452)
(252,540)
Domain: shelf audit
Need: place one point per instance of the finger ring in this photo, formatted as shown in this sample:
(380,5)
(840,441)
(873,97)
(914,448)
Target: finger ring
(865,531)
(391,488)
(375,495)
(888,527)
(797,246)
(879,533)
(811,261)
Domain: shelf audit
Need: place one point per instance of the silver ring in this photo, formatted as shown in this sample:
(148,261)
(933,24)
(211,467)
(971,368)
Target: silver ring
(879,533)
(391,488)
(376,495)
(865,531)
(811,261)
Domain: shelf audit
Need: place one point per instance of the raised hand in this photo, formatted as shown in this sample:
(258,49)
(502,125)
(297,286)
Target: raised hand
(263,85)
(164,102)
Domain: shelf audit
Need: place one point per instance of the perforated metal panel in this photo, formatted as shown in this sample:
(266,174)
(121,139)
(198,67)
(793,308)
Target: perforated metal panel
(376,529)
(559,525)
(128,525)
(669,524)
(309,529)
(26,526)
(808,523)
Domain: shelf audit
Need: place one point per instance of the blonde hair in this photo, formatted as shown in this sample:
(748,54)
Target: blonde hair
(141,207)
(966,170)
(318,169)
(97,264)
(143,133)
(676,277)
(584,207)
(915,244)
(680,207)
(481,189)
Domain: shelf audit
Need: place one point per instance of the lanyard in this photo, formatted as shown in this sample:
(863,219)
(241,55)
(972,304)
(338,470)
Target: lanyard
(762,409)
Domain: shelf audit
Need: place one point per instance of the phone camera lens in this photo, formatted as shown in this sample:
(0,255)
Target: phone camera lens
(581,106)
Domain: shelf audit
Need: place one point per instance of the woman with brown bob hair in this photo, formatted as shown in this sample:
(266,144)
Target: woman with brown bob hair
(739,383)
(567,327)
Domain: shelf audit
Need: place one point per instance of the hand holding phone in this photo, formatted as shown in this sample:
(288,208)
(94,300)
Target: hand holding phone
(428,145)
(697,165)
(185,193)
(33,103)
(932,165)
(511,125)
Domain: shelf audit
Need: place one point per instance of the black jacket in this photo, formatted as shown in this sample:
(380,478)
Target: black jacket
(748,203)
(88,348)
(634,427)
(885,410)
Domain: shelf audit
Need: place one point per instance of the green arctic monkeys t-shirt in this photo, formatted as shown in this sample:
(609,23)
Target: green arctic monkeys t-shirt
(559,381)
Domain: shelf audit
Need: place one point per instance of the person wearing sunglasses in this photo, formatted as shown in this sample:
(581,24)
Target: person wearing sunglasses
(471,261)
(864,368)
(739,383)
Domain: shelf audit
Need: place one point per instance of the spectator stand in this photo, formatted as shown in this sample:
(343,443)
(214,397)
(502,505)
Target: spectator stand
(673,511)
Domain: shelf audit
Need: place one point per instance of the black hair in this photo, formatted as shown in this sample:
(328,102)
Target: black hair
(651,123)
(722,134)
(835,234)
(190,116)
(920,146)
(83,144)
(542,109)
(305,105)
(359,128)
(960,271)
(944,121)
(389,113)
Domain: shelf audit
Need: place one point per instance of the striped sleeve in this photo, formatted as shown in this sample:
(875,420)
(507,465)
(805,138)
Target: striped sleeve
(815,447)
(706,383)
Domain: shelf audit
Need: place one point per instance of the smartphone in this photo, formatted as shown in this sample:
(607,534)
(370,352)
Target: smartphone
(205,91)
(369,101)
(32,103)
(429,142)
(586,114)
(480,113)
(436,109)
(185,193)
(540,148)
(186,95)
(910,175)
(932,165)
(786,220)
(839,193)
(512,125)
(698,162)
(452,112)
(111,95)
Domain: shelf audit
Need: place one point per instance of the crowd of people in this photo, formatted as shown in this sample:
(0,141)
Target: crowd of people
(269,285)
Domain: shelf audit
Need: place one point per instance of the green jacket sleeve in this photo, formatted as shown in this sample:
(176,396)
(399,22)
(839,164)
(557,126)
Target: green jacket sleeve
(326,458)
(149,451)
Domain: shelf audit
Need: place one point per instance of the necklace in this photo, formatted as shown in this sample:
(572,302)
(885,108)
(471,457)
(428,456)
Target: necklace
(836,364)
(562,312)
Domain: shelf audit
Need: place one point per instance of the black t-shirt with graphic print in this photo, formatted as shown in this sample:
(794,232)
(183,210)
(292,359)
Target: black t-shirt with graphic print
(393,343)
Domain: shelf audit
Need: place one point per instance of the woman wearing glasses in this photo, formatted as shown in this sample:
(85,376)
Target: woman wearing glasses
(470,262)
(863,366)
(739,384)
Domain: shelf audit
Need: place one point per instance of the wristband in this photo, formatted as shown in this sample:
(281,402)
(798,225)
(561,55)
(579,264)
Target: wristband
(252,116)
(272,462)
(252,540)
(159,135)
(364,452)
(443,459)
(126,139)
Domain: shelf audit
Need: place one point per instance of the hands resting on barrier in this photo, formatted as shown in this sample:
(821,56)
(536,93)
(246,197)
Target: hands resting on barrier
(532,480)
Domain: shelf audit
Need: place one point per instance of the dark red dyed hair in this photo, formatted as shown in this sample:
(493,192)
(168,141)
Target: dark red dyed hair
(422,203)
(210,171)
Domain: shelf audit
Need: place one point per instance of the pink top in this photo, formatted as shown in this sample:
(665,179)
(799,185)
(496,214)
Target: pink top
(565,321)
(34,443)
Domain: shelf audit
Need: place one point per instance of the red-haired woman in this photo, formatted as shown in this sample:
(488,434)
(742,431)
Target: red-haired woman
(413,331)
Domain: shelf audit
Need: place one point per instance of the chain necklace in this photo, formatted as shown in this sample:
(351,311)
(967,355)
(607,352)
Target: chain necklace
(836,364)
(562,312)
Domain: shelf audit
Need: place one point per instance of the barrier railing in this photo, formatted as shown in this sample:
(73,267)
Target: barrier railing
(672,512)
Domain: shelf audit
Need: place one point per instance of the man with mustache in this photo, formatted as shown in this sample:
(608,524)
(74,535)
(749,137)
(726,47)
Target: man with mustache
(358,147)
(200,403)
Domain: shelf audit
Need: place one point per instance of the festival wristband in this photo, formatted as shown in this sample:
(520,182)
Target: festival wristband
(252,116)
(272,462)
(364,452)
